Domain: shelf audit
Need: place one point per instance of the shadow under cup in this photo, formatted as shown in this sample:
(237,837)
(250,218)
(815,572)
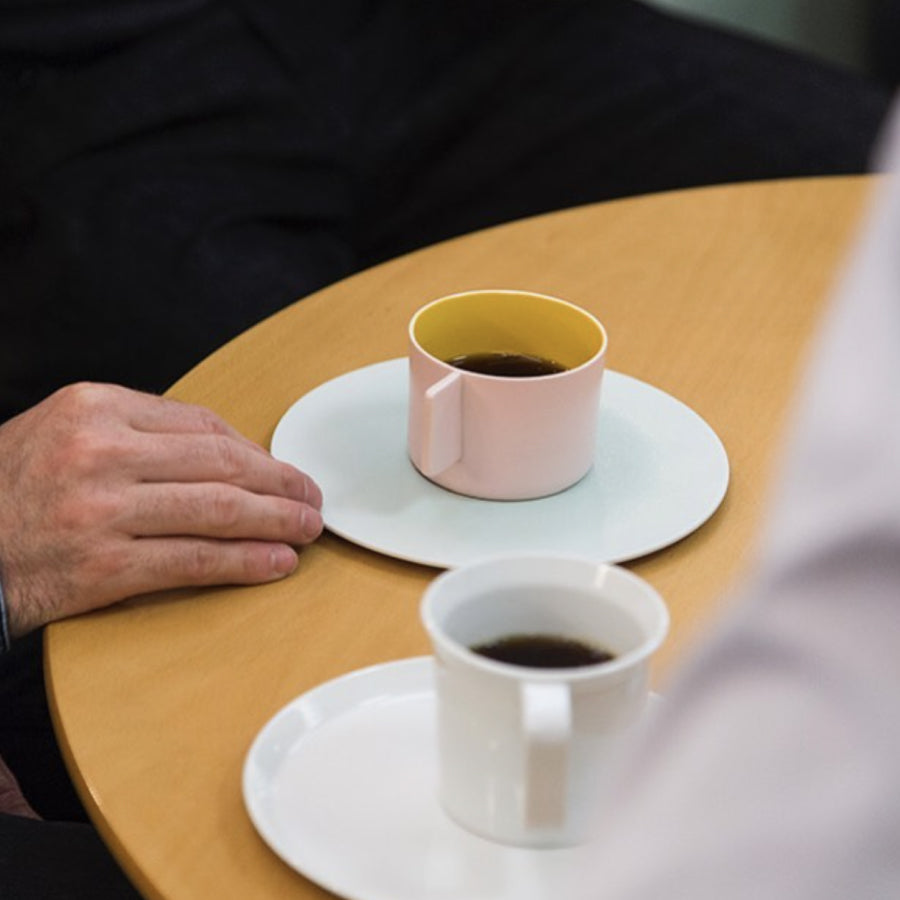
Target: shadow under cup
(495,437)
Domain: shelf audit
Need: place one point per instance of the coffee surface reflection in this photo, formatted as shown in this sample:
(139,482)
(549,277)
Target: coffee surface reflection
(506,365)
(543,651)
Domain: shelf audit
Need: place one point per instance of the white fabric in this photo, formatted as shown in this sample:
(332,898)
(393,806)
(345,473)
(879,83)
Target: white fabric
(774,771)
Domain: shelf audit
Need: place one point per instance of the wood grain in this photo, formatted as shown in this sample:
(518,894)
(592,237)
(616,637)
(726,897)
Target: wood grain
(710,294)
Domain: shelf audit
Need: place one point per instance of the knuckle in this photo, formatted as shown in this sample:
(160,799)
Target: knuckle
(84,513)
(293,482)
(201,563)
(100,565)
(204,419)
(81,450)
(299,486)
(225,508)
(254,564)
(85,451)
(291,521)
(285,482)
(229,460)
(85,397)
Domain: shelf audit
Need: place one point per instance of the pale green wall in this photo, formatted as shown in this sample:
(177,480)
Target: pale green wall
(834,29)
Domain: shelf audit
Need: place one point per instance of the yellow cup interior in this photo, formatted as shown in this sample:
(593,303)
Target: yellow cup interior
(508,322)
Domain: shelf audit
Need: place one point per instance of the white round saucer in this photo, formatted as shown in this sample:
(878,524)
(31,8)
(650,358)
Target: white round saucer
(342,785)
(660,473)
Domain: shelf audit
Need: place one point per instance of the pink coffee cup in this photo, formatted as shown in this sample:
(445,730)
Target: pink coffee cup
(501,436)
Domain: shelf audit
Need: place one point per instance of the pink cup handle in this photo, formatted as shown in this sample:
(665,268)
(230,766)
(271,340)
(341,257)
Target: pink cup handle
(442,419)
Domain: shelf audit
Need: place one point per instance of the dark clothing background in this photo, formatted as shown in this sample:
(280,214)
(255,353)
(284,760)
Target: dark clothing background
(65,860)
(171,171)
(883,40)
(63,857)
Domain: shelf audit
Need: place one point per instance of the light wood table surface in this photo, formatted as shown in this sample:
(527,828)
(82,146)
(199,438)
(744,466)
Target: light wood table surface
(709,294)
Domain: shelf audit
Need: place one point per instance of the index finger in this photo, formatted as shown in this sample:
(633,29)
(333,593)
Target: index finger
(218,458)
(164,415)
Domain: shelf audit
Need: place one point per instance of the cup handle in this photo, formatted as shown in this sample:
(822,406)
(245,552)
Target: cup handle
(547,724)
(442,445)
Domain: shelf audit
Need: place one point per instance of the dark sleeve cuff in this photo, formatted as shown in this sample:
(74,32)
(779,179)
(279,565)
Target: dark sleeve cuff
(5,641)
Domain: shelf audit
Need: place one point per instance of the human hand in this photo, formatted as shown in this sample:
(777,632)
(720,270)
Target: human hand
(12,802)
(106,493)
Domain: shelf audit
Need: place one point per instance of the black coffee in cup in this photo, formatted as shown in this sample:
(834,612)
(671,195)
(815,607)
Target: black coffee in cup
(543,651)
(506,365)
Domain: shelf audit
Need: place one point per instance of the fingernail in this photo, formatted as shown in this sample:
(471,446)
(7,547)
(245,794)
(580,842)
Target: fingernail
(314,495)
(283,560)
(311,523)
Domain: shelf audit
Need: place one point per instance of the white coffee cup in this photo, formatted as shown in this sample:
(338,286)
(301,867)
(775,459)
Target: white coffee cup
(527,754)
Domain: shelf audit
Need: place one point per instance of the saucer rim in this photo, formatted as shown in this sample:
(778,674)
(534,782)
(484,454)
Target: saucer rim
(399,680)
(450,554)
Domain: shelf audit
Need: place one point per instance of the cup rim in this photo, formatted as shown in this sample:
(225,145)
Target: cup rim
(604,345)
(570,675)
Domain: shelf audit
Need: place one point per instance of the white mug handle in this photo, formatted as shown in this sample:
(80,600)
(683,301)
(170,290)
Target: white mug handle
(442,422)
(547,727)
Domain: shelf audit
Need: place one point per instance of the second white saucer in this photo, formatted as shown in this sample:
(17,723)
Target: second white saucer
(342,785)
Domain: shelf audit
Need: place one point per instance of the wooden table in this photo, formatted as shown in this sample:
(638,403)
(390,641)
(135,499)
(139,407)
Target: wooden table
(708,294)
